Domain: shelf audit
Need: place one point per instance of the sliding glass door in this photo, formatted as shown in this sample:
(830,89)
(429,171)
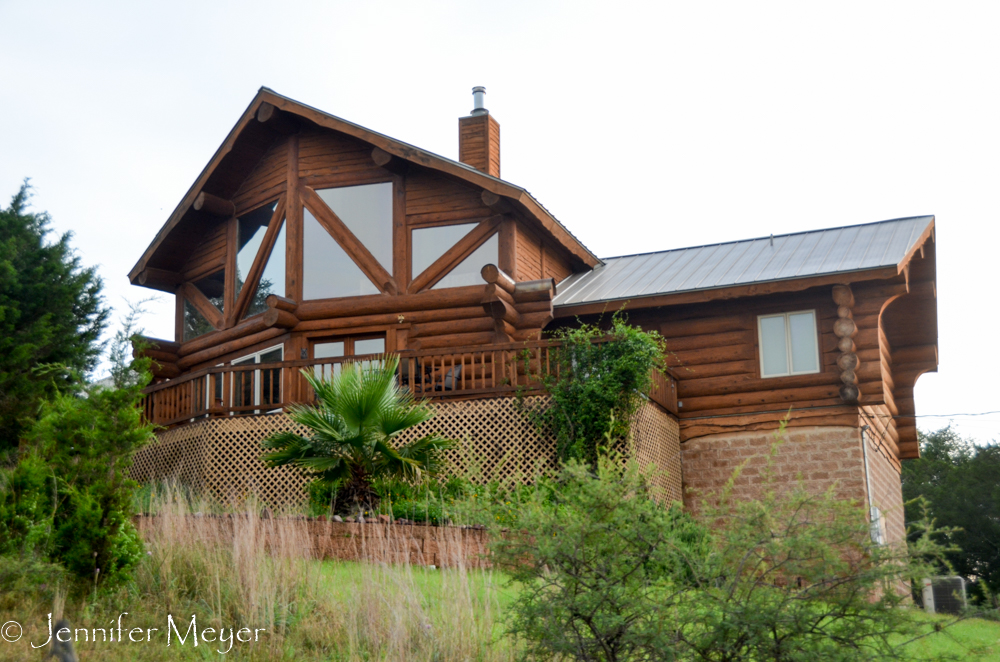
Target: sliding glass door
(260,387)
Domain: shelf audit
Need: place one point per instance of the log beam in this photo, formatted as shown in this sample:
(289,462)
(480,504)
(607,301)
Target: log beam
(492,274)
(281,303)
(213,204)
(282,319)
(499,309)
(384,159)
(535,290)
(276,120)
(159,279)
(496,202)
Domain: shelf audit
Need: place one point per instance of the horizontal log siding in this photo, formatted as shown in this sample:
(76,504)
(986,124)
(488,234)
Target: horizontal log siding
(432,199)
(209,255)
(529,257)
(325,155)
(554,265)
(267,180)
(714,351)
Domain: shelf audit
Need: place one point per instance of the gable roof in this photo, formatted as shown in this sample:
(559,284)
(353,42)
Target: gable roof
(249,139)
(854,248)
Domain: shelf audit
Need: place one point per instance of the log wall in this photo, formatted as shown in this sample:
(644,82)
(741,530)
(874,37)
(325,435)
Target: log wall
(713,349)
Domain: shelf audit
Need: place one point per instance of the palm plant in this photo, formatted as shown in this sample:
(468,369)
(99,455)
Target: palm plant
(357,416)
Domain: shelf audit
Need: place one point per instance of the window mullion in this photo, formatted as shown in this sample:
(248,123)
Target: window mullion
(788,343)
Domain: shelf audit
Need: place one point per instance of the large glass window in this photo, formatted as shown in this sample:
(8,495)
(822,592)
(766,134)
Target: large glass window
(327,270)
(272,278)
(428,244)
(195,323)
(367,212)
(214,289)
(250,234)
(788,344)
(469,270)
(344,347)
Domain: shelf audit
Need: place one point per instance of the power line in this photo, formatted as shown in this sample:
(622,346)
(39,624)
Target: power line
(983,413)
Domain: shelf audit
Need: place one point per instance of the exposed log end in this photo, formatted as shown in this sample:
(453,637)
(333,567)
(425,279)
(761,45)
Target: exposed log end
(846,345)
(277,120)
(282,319)
(213,204)
(848,361)
(849,378)
(493,274)
(501,310)
(844,312)
(845,328)
(496,202)
(850,394)
(381,157)
(843,296)
(281,303)
(159,279)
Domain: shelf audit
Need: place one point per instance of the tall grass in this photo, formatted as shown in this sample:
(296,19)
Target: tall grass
(238,569)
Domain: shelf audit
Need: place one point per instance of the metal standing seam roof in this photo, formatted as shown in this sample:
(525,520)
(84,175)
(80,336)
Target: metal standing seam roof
(781,257)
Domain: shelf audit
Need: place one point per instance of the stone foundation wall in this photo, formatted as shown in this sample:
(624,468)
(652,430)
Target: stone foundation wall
(887,491)
(820,456)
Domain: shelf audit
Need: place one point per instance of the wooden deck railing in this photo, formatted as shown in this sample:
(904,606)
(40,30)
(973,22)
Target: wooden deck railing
(464,372)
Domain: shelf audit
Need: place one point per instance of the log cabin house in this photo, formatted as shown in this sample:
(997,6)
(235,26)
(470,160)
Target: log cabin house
(308,241)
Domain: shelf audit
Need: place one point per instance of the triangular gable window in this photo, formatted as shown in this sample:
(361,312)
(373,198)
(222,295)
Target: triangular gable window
(468,271)
(327,270)
(214,288)
(272,278)
(367,212)
(252,228)
(428,244)
(195,323)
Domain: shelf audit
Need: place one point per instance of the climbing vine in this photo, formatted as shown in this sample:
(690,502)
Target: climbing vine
(601,380)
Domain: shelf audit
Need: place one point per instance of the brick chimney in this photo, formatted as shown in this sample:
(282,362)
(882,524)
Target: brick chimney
(479,137)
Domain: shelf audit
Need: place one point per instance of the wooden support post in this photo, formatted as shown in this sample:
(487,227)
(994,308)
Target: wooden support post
(507,246)
(293,223)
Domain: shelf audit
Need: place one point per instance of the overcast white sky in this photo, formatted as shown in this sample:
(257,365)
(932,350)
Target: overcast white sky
(641,126)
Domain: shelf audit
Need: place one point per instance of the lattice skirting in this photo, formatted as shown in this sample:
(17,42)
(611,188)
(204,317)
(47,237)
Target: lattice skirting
(496,441)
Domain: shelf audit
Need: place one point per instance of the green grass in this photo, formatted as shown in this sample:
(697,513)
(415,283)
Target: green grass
(970,640)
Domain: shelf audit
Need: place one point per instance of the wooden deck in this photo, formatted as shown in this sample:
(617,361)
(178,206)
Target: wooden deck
(459,373)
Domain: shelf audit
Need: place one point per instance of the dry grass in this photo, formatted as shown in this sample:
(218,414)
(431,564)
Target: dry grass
(263,575)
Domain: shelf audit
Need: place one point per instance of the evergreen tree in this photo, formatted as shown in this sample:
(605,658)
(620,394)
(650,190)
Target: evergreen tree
(51,312)
(960,483)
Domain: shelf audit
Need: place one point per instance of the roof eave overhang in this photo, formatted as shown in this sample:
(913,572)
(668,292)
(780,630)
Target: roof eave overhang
(394,147)
(723,293)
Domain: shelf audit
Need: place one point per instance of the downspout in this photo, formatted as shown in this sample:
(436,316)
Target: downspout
(873,519)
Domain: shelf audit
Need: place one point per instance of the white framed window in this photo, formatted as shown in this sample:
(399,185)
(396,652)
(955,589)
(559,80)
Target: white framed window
(788,344)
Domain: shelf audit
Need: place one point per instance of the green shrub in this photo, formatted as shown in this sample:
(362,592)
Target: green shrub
(28,502)
(599,385)
(606,573)
(69,499)
(597,562)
